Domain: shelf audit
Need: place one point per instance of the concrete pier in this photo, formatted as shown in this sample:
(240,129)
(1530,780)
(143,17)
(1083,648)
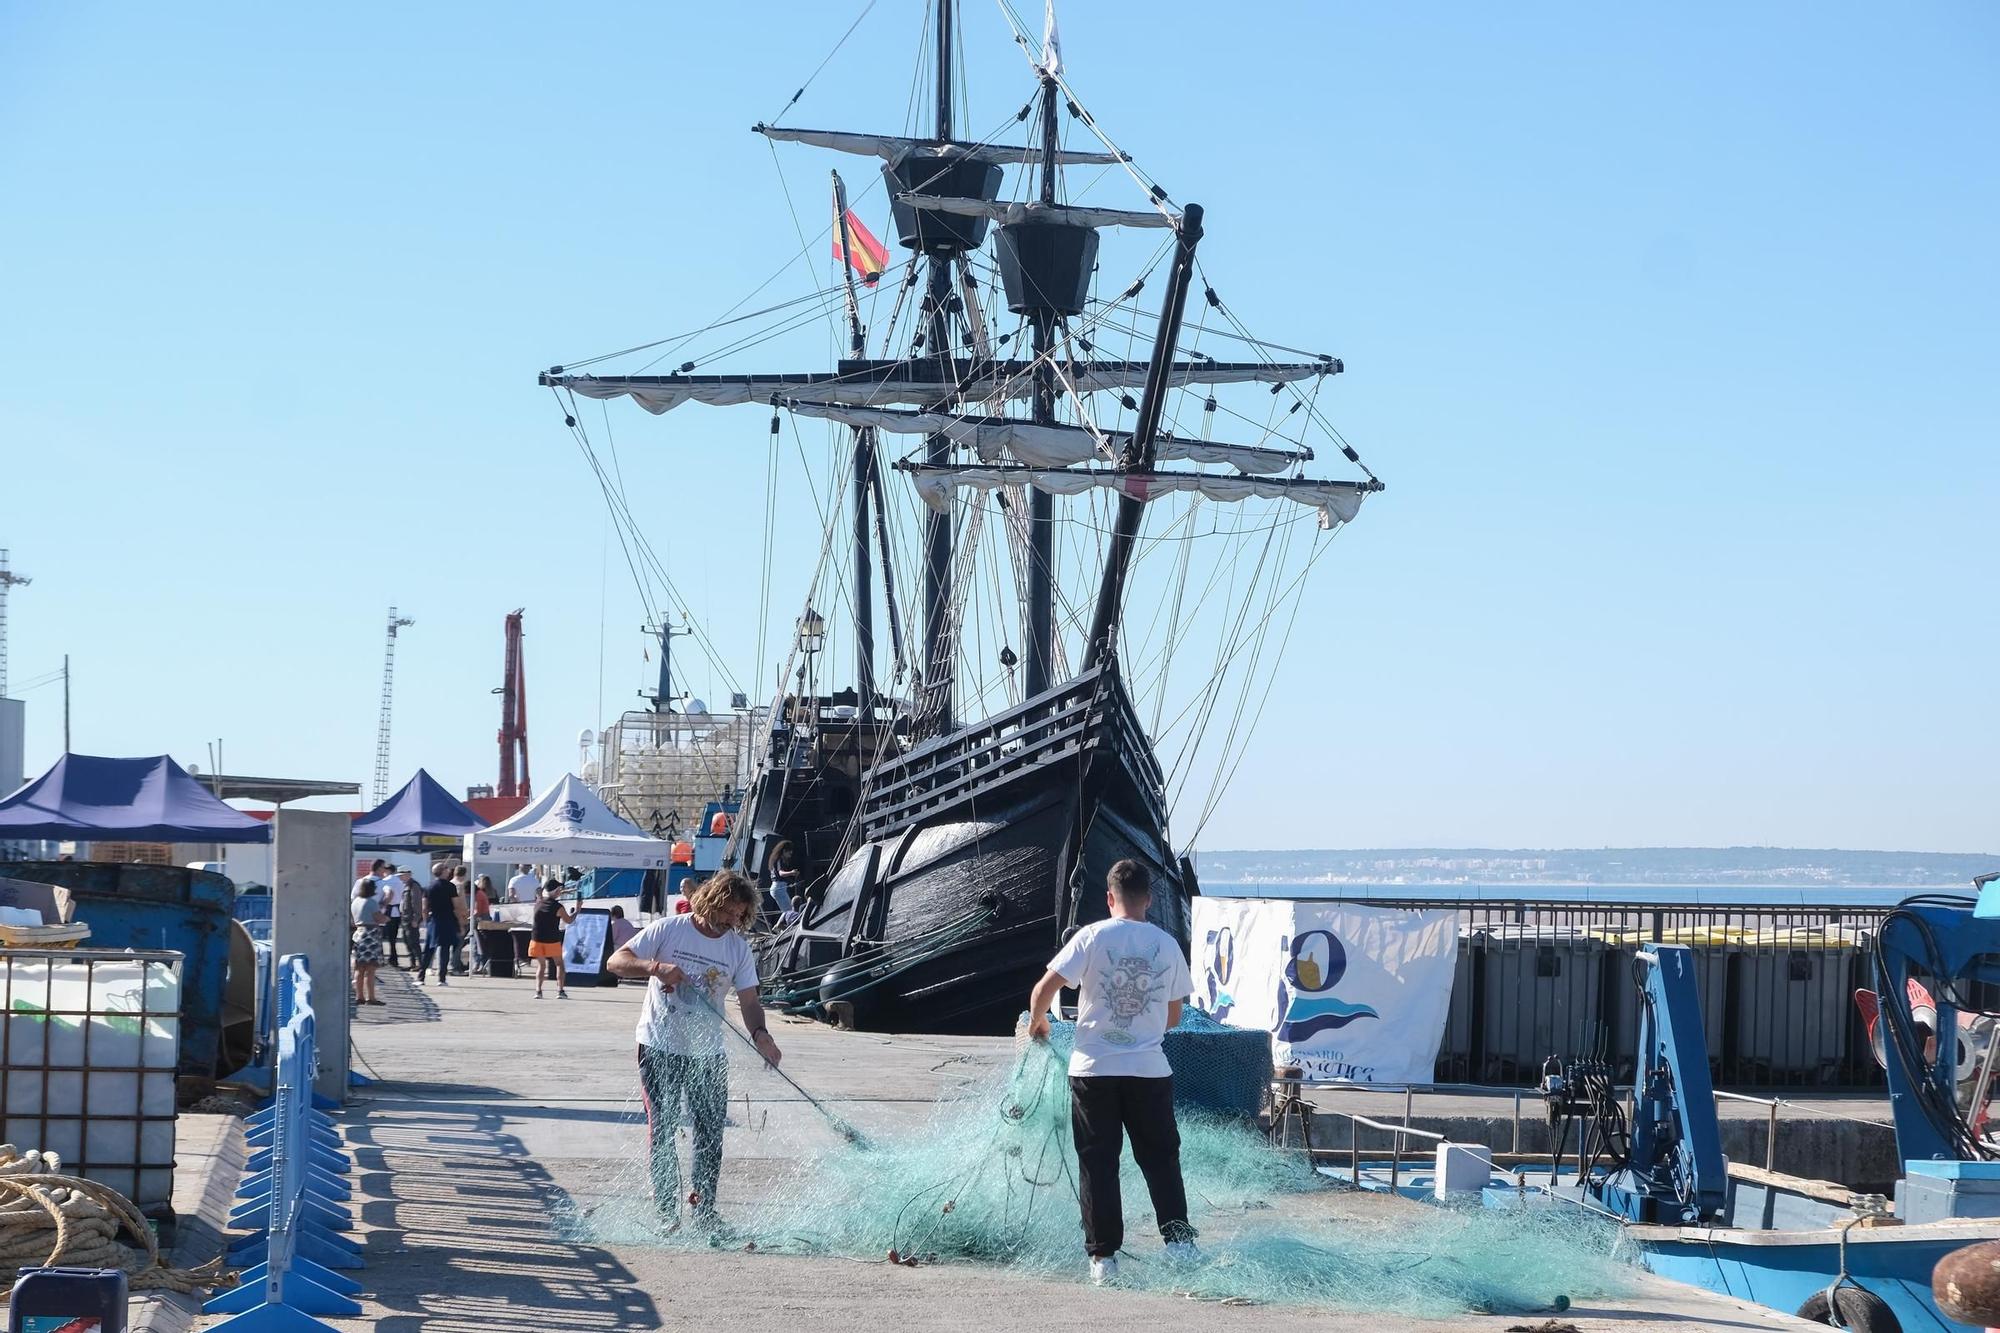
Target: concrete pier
(495,1111)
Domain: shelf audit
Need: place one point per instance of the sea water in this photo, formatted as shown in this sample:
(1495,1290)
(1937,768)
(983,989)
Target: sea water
(1801,897)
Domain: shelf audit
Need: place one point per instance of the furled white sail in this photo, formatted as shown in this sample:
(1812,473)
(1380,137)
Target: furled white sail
(889,147)
(663,393)
(1337,501)
(988,383)
(1006,211)
(998,438)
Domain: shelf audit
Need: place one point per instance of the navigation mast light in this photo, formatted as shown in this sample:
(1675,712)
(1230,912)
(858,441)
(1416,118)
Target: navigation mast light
(812,631)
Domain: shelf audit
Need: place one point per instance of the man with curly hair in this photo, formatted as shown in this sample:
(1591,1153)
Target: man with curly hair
(691,962)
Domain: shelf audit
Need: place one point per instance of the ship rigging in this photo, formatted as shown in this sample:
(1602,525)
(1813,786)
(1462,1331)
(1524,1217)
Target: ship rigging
(933,830)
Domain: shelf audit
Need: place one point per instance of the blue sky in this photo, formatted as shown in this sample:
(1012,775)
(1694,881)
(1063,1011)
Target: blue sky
(1671,331)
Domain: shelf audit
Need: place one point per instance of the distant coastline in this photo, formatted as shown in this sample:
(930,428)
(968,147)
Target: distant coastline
(1627,870)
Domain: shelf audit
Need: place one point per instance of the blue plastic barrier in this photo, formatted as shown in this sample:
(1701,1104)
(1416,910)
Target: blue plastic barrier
(292,1200)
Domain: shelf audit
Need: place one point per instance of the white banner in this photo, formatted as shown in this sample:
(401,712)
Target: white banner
(1347,991)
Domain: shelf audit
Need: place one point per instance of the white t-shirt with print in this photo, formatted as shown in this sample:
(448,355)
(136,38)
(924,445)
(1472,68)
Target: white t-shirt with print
(1126,973)
(719,967)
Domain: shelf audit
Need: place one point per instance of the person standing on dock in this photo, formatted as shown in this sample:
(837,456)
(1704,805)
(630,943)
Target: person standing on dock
(461,884)
(692,962)
(1131,981)
(389,892)
(441,925)
(366,911)
(619,928)
(524,887)
(482,910)
(413,914)
(545,945)
(383,874)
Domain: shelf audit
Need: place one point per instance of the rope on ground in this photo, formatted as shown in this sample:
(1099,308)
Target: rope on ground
(48,1218)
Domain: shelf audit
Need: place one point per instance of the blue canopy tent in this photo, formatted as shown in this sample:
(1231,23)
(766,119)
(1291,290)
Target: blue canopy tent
(151,799)
(421,815)
(100,799)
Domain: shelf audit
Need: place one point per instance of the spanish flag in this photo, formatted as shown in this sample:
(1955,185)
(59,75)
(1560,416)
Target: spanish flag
(867,255)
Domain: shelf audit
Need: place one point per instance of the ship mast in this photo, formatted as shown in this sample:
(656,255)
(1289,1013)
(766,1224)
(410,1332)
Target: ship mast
(938,666)
(943,195)
(1042,505)
(1139,454)
(864,468)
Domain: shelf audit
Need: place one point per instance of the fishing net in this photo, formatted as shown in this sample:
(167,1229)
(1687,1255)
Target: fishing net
(989,1176)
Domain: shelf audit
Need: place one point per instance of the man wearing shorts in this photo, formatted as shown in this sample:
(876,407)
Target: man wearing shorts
(545,944)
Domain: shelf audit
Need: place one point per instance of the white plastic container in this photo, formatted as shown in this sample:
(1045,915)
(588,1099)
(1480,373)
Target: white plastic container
(89,1043)
(1463,1168)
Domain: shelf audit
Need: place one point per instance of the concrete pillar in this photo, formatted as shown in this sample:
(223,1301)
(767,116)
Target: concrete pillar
(311,882)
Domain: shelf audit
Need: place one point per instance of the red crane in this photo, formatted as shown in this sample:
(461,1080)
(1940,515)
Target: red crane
(513,694)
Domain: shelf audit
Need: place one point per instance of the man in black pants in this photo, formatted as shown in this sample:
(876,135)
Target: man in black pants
(1131,979)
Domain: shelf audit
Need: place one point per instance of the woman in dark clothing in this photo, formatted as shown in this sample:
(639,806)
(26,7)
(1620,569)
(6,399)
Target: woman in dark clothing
(545,945)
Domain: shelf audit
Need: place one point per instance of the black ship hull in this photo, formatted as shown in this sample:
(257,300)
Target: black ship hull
(974,856)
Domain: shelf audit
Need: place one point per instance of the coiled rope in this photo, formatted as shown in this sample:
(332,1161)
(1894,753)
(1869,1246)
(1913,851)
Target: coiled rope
(49,1218)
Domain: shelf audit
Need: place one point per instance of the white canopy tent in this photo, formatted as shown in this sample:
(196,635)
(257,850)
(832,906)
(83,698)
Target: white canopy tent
(569,825)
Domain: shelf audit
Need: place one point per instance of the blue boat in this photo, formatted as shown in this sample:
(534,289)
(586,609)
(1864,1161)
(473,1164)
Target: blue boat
(1811,1248)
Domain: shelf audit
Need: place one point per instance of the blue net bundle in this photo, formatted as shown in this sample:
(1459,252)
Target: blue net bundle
(989,1177)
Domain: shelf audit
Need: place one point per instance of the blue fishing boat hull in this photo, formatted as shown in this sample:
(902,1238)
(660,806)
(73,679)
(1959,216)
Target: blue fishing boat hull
(1782,1270)
(1779,1267)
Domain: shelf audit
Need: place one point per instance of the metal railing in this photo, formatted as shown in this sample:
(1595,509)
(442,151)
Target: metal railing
(1399,1132)
(1539,978)
(292,1196)
(1288,1092)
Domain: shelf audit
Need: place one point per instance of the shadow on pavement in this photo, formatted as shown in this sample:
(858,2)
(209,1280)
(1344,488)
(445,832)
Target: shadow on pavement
(403,1001)
(460,1233)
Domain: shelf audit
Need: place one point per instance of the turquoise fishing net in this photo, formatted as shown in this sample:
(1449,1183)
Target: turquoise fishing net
(989,1177)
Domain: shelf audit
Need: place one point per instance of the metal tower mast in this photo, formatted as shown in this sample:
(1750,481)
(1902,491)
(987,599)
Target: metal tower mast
(8,579)
(396,622)
(662,694)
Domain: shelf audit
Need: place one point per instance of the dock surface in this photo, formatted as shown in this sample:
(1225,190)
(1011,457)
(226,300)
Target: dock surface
(493,1114)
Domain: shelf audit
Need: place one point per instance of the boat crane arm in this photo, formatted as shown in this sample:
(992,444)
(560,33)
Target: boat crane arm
(1676,1174)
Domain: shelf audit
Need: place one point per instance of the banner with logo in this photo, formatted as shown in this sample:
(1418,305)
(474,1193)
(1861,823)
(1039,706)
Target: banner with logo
(1347,991)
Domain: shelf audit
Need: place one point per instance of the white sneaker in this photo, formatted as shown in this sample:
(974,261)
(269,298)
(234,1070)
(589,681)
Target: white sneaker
(1183,1252)
(1104,1270)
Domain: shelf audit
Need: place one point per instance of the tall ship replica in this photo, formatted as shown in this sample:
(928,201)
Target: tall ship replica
(1087,539)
